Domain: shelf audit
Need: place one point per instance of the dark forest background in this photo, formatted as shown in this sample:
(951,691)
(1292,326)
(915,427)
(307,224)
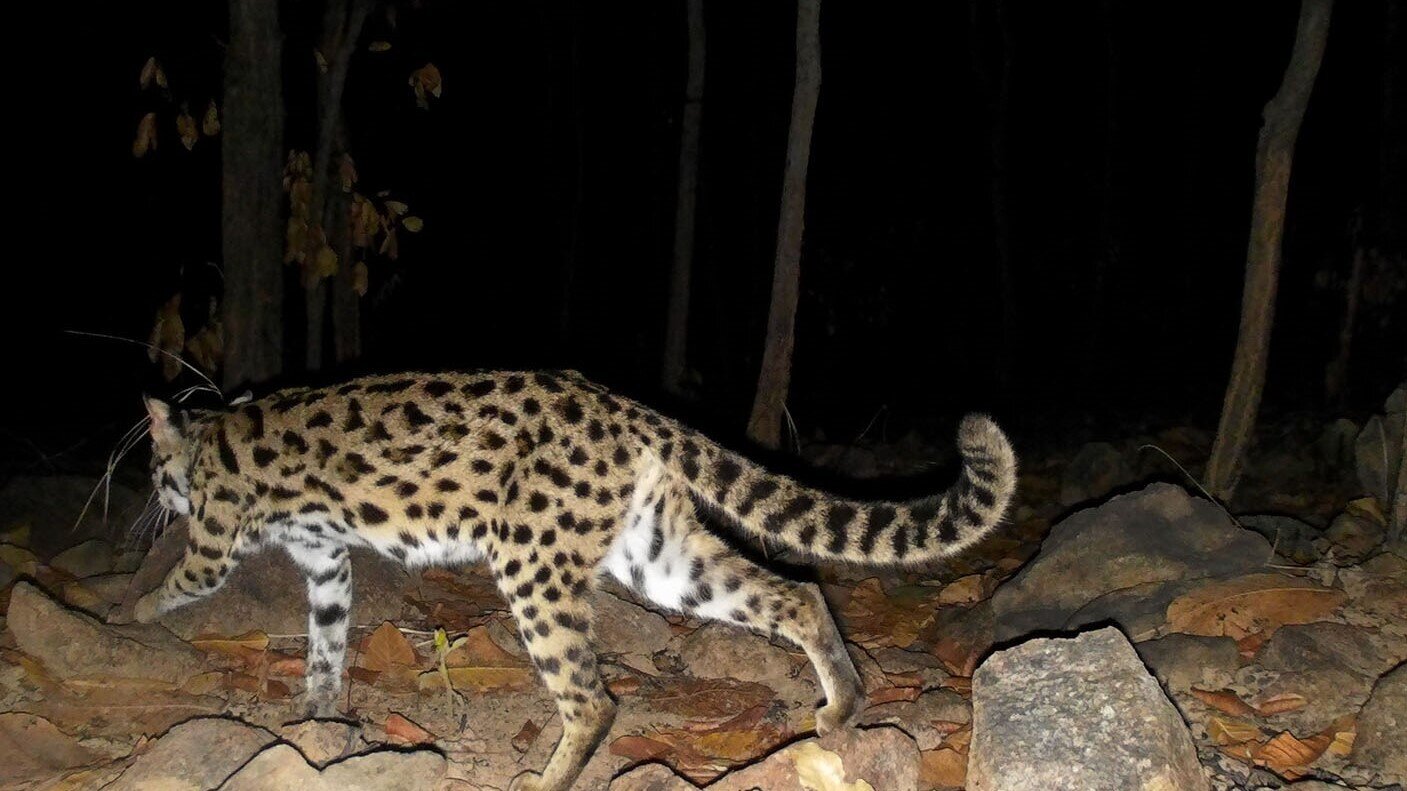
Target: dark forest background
(545,175)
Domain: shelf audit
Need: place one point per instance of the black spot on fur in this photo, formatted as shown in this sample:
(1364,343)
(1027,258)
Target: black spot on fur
(880,517)
(372,514)
(837,520)
(263,456)
(329,615)
(320,419)
(437,388)
(227,454)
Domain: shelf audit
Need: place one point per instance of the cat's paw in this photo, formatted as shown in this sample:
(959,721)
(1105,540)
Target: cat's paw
(526,781)
(146,609)
(834,716)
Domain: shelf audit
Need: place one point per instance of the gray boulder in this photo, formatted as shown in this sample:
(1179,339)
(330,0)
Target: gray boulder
(1078,713)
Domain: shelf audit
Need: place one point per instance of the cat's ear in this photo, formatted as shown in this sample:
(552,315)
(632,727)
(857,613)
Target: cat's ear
(165,421)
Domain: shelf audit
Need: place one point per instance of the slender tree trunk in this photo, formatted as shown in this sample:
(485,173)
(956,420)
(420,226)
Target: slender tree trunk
(251,152)
(341,26)
(1274,155)
(676,334)
(765,424)
(1336,375)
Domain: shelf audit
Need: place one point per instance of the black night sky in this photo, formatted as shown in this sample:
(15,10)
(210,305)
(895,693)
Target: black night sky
(546,174)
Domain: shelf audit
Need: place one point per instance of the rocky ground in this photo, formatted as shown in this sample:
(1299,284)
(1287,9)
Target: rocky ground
(1263,650)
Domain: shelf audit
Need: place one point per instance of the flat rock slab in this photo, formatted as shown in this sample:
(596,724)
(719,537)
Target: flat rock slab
(875,759)
(50,504)
(1077,713)
(194,756)
(71,644)
(283,767)
(36,750)
(267,591)
(1160,534)
(1381,745)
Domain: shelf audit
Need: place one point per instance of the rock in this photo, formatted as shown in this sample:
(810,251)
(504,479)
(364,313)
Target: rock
(1356,536)
(922,718)
(1076,713)
(1381,744)
(899,661)
(651,777)
(111,588)
(717,650)
(323,741)
(73,645)
(623,627)
(1335,445)
(35,750)
(268,592)
(1097,469)
(194,755)
(1182,661)
(50,506)
(848,460)
(1159,534)
(89,559)
(7,575)
(1292,538)
(281,766)
(1332,665)
(884,758)
(1378,449)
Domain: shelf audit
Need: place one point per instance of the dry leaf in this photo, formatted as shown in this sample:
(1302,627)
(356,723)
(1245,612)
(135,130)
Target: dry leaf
(413,224)
(704,698)
(236,646)
(1254,603)
(964,590)
(1226,731)
(525,736)
(402,731)
(168,335)
(625,685)
(210,122)
(891,694)
(876,619)
(379,46)
(348,170)
(387,648)
(1280,704)
(396,207)
(639,748)
(146,136)
(942,767)
(1369,508)
(186,129)
(320,61)
(148,72)
(268,689)
(1290,757)
(477,649)
(482,679)
(360,276)
(820,769)
(1225,701)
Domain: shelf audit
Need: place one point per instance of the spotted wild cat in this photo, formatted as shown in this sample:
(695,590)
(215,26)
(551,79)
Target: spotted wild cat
(551,480)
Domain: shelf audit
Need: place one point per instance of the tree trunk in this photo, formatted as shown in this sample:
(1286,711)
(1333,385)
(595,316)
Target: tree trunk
(341,27)
(1274,155)
(1336,375)
(765,424)
(676,332)
(251,152)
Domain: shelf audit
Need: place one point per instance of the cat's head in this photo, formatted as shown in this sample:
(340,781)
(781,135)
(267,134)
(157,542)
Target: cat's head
(172,454)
